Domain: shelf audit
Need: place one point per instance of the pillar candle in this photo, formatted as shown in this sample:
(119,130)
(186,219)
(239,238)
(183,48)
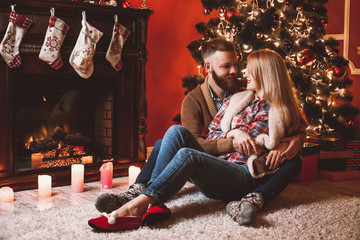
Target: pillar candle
(44,185)
(106,175)
(77,178)
(36,160)
(6,195)
(133,173)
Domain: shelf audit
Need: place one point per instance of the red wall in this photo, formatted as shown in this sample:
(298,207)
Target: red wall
(171,29)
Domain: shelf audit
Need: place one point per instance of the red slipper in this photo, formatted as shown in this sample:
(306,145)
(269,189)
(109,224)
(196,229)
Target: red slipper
(122,223)
(156,214)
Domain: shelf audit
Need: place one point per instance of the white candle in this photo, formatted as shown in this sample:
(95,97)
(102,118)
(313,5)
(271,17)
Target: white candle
(44,185)
(6,195)
(77,178)
(133,173)
(36,160)
(87,159)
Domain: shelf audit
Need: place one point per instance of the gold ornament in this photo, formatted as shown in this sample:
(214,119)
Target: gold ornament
(310,99)
(344,92)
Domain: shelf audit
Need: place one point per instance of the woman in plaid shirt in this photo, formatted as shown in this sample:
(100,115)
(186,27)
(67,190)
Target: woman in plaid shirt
(216,178)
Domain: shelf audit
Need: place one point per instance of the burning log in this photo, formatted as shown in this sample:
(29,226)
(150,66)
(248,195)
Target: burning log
(76,140)
(59,133)
(43,145)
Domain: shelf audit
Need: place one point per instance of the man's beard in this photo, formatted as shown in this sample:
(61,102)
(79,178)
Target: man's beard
(227,83)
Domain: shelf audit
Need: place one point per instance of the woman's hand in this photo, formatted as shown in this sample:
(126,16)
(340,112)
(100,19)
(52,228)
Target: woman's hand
(295,144)
(275,158)
(243,142)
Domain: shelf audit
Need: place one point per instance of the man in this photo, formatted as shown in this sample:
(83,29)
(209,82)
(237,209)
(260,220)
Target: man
(199,107)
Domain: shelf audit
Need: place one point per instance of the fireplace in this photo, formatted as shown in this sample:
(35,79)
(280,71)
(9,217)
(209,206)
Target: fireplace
(50,119)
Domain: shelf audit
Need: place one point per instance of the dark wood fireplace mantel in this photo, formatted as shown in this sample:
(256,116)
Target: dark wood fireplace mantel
(129,103)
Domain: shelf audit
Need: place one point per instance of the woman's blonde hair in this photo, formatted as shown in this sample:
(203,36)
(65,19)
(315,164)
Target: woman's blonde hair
(269,70)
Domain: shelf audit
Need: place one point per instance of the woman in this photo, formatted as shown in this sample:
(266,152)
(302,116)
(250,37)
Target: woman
(227,180)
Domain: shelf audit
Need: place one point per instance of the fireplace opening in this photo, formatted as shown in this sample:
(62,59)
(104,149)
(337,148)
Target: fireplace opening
(61,120)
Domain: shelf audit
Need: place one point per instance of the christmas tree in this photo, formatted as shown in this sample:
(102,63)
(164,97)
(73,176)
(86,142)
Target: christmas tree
(295,30)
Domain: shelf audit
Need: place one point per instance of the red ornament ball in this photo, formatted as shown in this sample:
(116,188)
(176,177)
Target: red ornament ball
(352,123)
(207,11)
(229,13)
(339,71)
(305,57)
(324,22)
(127,4)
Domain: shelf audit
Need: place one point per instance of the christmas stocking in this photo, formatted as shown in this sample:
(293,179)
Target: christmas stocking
(9,47)
(55,34)
(83,52)
(119,36)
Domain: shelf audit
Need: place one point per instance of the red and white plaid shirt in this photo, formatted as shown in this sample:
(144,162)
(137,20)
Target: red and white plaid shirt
(252,120)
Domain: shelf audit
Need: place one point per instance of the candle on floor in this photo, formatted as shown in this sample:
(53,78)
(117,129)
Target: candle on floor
(106,175)
(133,173)
(6,195)
(87,159)
(44,185)
(77,178)
(36,160)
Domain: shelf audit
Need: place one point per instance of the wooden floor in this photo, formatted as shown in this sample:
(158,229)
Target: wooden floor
(28,201)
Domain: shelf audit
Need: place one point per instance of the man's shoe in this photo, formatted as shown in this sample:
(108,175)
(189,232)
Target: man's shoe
(244,211)
(110,202)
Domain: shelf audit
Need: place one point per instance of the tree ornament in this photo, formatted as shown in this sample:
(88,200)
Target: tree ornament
(339,71)
(288,2)
(281,1)
(344,92)
(127,4)
(257,13)
(299,8)
(305,57)
(324,21)
(352,123)
(259,35)
(239,57)
(247,48)
(230,13)
(311,21)
(319,131)
(207,11)
(310,99)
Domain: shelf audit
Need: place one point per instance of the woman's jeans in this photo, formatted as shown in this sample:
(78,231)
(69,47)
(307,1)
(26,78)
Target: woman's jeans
(180,158)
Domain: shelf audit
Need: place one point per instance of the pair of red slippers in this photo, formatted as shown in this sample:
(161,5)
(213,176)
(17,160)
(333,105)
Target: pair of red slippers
(154,215)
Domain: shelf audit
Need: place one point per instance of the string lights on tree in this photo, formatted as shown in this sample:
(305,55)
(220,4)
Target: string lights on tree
(294,29)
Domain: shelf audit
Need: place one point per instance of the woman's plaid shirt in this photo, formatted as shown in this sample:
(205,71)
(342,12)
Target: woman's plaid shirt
(252,120)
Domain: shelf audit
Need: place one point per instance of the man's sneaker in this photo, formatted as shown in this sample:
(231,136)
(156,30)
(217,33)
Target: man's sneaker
(110,202)
(244,211)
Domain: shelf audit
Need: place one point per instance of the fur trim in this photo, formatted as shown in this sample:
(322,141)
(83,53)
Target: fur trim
(252,165)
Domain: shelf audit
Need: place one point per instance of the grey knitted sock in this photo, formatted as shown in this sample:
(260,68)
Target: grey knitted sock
(110,202)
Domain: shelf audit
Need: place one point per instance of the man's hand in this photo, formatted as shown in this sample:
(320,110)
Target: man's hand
(246,144)
(295,144)
(274,158)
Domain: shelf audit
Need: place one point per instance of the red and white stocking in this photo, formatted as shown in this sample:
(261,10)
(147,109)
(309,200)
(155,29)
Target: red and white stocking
(83,52)
(55,34)
(119,36)
(9,47)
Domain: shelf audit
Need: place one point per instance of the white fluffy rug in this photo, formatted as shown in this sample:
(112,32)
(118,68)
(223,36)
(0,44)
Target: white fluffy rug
(302,211)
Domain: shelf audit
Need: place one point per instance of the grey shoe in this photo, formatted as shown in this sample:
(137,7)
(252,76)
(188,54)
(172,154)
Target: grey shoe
(244,211)
(110,202)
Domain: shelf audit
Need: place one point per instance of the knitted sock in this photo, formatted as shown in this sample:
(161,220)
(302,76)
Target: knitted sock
(9,47)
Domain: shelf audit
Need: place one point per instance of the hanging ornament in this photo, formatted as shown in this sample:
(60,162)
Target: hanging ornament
(299,8)
(352,123)
(310,99)
(259,35)
(311,22)
(257,13)
(288,2)
(207,11)
(324,21)
(339,71)
(127,4)
(229,13)
(247,48)
(281,1)
(239,57)
(305,57)
(344,92)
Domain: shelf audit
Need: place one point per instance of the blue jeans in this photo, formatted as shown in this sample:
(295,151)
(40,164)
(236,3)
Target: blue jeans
(180,158)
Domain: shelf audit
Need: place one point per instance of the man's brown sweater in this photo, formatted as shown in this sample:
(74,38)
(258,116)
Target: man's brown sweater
(197,111)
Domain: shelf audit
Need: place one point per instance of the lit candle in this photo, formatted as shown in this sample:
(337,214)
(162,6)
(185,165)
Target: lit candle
(6,195)
(87,159)
(133,173)
(106,175)
(77,178)
(44,185)
(36,160)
